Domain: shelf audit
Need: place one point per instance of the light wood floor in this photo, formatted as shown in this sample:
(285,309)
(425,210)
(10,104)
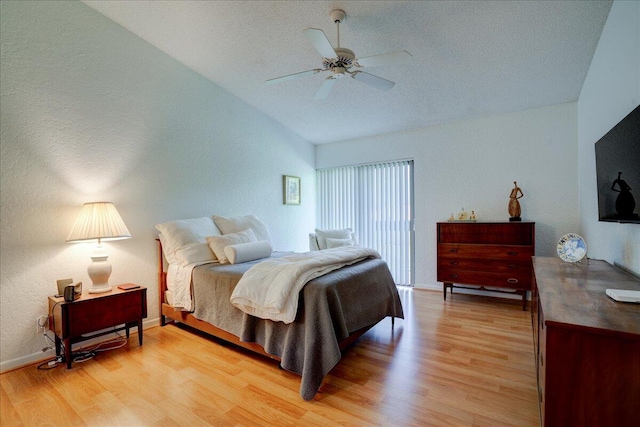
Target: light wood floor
(467,361)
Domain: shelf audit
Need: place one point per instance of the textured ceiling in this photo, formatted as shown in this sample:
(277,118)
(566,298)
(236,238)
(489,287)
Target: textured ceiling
(470,58)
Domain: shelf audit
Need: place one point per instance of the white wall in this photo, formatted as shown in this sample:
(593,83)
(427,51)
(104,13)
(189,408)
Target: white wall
(91,112)
(473,164)
(610,92)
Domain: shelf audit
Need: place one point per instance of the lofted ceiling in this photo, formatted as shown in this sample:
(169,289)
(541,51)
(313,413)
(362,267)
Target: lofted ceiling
(469,58)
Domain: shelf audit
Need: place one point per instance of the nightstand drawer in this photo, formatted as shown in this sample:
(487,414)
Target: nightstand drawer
(123,308)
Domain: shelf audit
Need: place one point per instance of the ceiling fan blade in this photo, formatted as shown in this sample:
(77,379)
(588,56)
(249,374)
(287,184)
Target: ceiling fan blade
(325,88)
(292,76)
(393,58)
(371,80)
(320,41)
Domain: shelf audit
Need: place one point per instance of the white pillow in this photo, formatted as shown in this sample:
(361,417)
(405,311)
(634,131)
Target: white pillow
(313,242)
(338,243)
(197,252)
(244,252)
(166,250)
(239,223)
(322,235)
(218,243)
(183,232)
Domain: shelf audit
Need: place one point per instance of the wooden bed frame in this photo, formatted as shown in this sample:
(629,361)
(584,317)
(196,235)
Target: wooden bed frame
(167,311)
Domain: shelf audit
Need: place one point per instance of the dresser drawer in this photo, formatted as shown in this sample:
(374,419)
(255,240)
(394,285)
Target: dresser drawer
(505,266)
(511,233)
(513,252)
(518,280)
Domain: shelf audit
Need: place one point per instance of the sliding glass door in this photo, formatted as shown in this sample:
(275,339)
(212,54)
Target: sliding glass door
(376,201)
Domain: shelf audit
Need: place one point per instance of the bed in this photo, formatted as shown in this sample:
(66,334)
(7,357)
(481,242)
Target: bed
(333,310)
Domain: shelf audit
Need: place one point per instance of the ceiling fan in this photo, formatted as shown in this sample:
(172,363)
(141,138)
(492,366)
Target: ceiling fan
(341,61)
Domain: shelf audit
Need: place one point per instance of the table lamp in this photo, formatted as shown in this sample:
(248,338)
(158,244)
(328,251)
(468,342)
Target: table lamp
(98,221)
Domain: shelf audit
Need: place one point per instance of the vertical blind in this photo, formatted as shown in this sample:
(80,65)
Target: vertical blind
(376,201)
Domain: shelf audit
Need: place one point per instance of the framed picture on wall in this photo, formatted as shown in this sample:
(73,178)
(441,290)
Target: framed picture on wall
(291,189)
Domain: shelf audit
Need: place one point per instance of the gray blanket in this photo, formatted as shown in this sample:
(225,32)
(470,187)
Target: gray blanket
(331,307)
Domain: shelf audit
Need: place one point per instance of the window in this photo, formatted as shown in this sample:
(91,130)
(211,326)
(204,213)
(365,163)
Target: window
(376,201)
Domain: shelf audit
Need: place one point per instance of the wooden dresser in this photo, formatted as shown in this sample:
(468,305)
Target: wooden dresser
(587,345)
(488,255)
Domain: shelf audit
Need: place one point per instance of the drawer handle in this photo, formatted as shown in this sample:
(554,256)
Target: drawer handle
(454,263)
(512,253)
(453,251)
(454,275)
(512,280)
(511,266)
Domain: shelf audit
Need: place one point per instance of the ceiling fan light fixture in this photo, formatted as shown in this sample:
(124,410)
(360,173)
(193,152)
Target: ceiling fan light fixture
(341,61)
(338,72)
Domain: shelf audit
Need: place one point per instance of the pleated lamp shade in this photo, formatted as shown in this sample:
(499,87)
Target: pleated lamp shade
(99,221)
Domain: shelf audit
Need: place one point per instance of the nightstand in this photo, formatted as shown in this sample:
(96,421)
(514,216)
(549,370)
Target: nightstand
(71,321)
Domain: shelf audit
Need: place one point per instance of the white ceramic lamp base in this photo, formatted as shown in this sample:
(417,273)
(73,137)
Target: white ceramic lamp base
(99,271)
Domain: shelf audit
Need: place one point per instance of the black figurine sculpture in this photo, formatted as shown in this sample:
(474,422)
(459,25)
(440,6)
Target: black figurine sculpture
(625,203)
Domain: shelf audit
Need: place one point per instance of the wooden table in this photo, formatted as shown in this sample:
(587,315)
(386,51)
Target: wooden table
(70,321)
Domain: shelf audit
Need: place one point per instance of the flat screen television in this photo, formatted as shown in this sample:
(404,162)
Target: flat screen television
(618,170)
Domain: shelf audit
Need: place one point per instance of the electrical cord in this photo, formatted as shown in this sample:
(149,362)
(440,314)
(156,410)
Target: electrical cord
(51,363)
(120,341)
(49,341)
(82,354)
